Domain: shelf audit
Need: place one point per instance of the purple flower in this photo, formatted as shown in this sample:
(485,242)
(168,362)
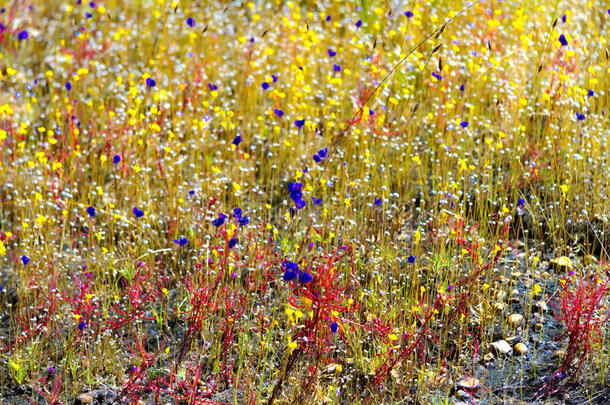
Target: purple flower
(237,212)
(91,211)
(82,325)
(316,158)
(190,22)
(279,113)
(265,85)
(449,288)
(331,53)
(296,194)
(243,221)
(437,76)
(305,278)
(232,243)
(328,17)
(237,140)
(336,67)
(316,201)
(564,18)
(212,87)
(220,220)
(411,259)
(299,123)
(23,35)
(334,327)
(409,14)
(288,265)
(323,153)
(68,86)
(274,77)
(358,24)
(25,260)
(377,201)
(150,82)
(563,40)
(295,190)
(116,159)
(138,212)
(182,241)
(464,124)
(591,93)
(580,117)
(291,269)
(520,202)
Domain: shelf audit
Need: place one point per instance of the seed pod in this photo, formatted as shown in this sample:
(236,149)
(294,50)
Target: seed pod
(415,108)
(438,34)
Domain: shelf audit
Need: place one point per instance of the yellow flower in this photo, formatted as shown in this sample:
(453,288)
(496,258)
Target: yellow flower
(40,220)
(536,290)
(417,236)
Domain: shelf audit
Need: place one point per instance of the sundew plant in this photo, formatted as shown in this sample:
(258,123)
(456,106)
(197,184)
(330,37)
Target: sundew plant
(367,202)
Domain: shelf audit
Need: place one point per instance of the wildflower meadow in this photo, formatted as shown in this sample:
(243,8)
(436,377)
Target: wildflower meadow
(304,202)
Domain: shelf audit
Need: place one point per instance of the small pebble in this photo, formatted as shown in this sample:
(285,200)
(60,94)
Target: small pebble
(469,384)
(83,399)
(515,320)
(520,349)
(541,305)
(501,347)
